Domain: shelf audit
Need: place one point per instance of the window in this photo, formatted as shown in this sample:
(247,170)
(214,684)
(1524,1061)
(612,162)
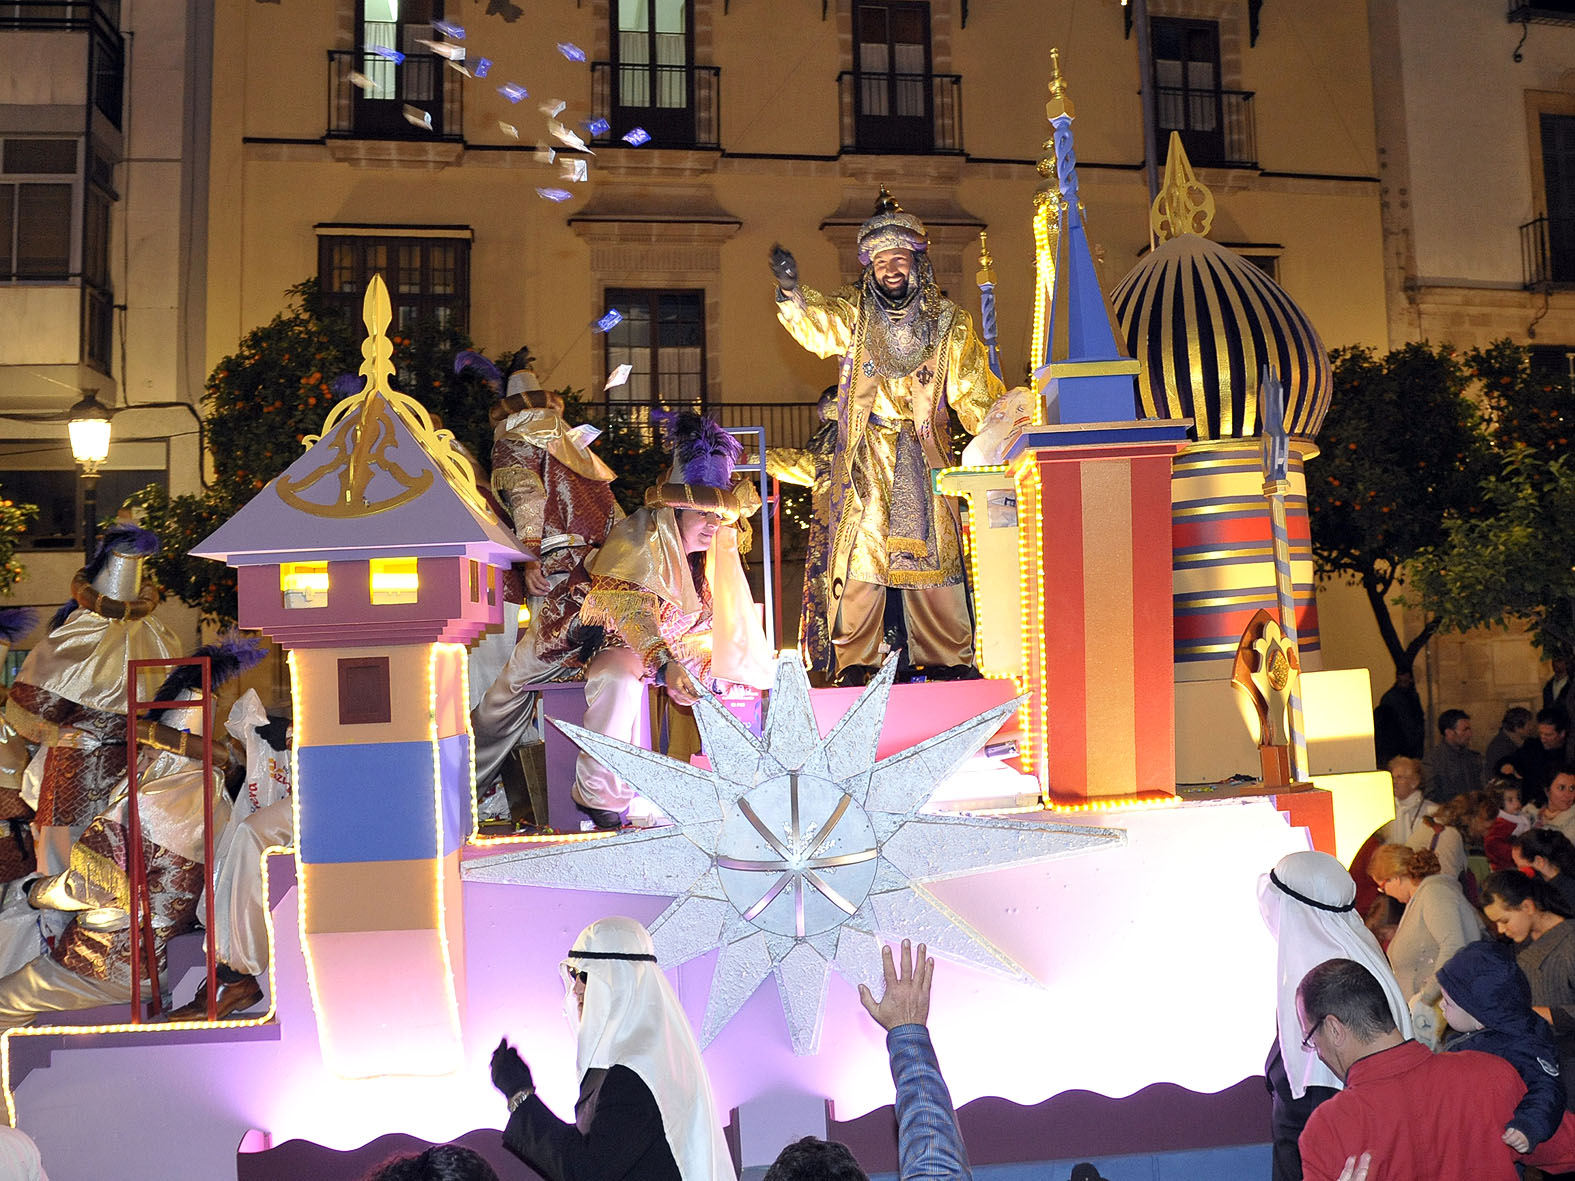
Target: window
(37,196)
(42,473)
(1558,179)
(421,80)
(304,584)
(662,337)
(654,83)
(428,277)
(891,77)
(394,580)
(364,691)
(1187,87)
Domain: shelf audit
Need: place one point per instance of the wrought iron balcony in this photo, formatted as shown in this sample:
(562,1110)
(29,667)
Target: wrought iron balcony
(1217,126)
(678,106)
(1541,12)
(901,114)
(1547,251)
(422,82)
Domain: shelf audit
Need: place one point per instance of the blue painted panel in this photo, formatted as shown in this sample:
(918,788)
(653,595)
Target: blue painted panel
(366,802)
(454,757)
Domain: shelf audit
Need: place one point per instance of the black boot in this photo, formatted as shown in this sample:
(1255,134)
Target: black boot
(855,674)
(602,818)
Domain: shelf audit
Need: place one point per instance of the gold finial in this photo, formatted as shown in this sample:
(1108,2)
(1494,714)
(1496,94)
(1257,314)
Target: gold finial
(986,263)
(361,451)
(1059,104)
(1046,165)
(1184,204)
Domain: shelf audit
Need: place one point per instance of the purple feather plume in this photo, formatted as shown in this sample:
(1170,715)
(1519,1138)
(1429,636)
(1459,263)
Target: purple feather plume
(347,384)
(471,359)
(706,453)
(62,613)
(123,538)
(16,622)
(231,655)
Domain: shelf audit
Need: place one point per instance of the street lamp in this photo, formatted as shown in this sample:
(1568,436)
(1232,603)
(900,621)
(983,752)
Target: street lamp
(89,427)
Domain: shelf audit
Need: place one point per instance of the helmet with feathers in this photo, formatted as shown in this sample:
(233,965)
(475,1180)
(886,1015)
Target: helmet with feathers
(702,473)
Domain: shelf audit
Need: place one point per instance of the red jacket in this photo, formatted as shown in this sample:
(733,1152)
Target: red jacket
(1426,1117)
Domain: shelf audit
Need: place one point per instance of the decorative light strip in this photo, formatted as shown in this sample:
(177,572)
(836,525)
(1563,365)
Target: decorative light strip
(265,1018)
(450,993)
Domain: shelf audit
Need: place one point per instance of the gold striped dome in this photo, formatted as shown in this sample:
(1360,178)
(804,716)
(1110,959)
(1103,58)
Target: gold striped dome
(1202,321)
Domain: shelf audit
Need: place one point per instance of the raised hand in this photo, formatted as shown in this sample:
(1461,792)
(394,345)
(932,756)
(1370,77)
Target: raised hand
(784,267)
(906,1000)
(509,1072)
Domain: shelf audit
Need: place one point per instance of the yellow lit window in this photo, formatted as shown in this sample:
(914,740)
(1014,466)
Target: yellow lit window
(394,581)
(304,584)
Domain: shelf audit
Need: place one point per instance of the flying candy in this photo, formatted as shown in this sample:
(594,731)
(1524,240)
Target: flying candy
(449,30)
(637,137)
(453,53)
(483,64)
(509,129)
(571,51)
(555,194)
(357,78)
(460,66)
(576,170)
(564,136)
(513,91)
(552,107)
(598,127)
(417,117)
(544,154)
(611,320)
(392,55)
(618,375)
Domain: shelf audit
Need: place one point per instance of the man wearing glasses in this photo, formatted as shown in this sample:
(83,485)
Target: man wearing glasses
(1418,1114)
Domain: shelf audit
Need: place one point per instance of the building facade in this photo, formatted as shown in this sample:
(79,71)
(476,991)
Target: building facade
(103,124)
(1475,109)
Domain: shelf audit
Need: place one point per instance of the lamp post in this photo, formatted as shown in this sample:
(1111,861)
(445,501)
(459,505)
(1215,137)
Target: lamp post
(89,427)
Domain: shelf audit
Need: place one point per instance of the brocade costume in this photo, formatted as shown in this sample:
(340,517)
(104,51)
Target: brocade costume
(810,467)
(641,596)
(70,697)
(91,961)
(558,494)
(901,367)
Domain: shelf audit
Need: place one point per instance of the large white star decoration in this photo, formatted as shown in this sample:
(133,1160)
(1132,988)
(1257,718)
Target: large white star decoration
(797,855)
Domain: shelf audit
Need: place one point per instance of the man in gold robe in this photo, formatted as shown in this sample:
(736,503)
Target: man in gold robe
(907,354)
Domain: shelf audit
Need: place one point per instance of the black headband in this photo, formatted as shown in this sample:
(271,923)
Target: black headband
(1284,889)
(612,955)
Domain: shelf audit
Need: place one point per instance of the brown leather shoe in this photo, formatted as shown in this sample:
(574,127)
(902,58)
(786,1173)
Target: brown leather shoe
(233,998)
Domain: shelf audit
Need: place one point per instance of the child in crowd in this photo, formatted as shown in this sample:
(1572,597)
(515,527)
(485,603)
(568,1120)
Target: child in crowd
(1512,820)
(1487,998)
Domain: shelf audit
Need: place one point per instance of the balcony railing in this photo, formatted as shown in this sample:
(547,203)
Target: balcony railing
(422,82)
(901,114)
(1217,126)
(1542,12)
(1547,251)
(787,424)
(677,106)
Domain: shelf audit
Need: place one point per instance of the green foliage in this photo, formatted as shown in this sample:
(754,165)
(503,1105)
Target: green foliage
(261,402)
(1528,408)
(1402,447)
(14,519)
(1512,562)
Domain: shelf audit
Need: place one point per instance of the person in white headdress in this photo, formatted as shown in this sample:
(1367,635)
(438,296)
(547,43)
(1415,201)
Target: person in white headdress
(1308,902)
(645,1109)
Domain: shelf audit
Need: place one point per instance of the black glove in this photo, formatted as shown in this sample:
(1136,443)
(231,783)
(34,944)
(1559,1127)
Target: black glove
(509,1072)
(784,267)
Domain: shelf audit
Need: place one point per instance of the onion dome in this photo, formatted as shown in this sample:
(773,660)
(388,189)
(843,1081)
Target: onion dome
(1202,322)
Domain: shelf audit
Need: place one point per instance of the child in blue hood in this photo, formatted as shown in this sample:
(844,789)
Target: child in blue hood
(1487,998)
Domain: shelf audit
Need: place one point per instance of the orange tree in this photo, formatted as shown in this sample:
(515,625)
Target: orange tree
(1403,448)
